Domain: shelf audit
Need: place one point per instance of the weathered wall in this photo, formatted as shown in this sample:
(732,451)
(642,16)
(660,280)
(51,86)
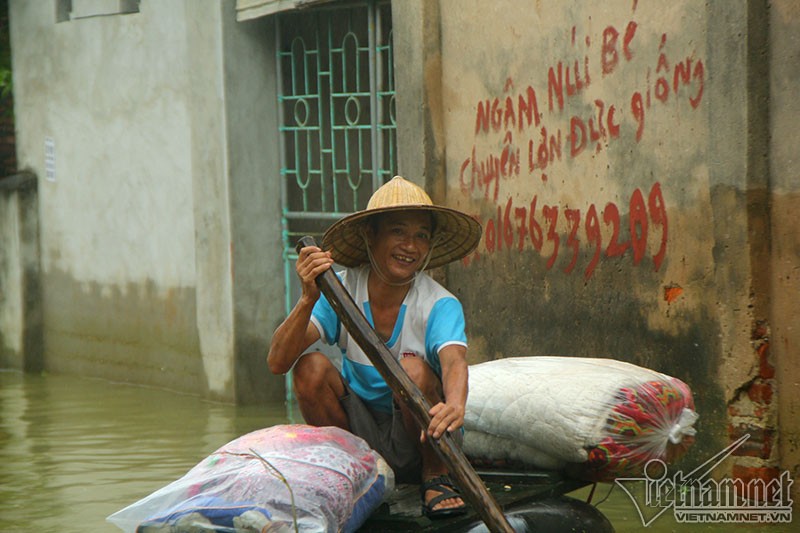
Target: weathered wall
(137,243)
(20,296)
(254,181)
(785,236)
(617,156)
(417,51)
(119,288)
(117,226)
(584,149)
(11,354)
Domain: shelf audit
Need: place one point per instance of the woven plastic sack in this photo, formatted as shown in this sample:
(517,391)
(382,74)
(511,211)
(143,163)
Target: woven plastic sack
(599,418)
(283,478)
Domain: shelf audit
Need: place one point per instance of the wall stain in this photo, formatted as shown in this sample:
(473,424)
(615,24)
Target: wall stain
(135,333)
(509,314)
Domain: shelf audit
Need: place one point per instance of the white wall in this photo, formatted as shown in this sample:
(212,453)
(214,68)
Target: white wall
(120,208)
(135,236)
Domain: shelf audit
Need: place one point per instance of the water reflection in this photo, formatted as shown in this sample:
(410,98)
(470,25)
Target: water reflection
(74,451)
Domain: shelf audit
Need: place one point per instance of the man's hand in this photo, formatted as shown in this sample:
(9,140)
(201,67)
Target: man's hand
(449,414)
(311,262)
(444,417)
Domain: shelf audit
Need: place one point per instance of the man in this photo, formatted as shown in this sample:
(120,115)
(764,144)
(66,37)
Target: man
(385,249)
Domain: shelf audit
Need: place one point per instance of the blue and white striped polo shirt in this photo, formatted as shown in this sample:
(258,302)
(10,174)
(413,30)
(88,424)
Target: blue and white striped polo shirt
(429,319)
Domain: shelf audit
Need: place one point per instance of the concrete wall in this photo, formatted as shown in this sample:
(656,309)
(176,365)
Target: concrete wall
(618,157)
(137,237)
(11,308)
(254,181)
(119,290)
(608,147)
(20,295)
(784,77)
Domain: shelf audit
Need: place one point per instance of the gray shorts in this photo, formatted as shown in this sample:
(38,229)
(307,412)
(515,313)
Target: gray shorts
(386,434)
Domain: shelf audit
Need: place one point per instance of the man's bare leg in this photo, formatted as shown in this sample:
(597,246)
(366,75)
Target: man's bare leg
(432,465)
(318,387)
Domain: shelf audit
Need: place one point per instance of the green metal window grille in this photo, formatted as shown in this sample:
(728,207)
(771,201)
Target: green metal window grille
(336,105)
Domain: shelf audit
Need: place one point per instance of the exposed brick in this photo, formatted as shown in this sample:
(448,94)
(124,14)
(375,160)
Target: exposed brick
(672,292)
(762,411)
(761,331)
(760,392)
(754,491)
(758,445)
(765,369)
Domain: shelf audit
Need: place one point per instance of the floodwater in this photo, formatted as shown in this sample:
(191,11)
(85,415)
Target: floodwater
(75,450)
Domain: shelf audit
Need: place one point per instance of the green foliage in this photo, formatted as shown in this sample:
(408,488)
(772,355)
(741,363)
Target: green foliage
(6,83)
(6,79)
(5,38)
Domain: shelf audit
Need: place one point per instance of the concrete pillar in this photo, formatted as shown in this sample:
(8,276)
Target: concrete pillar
(418,79)
(21,345)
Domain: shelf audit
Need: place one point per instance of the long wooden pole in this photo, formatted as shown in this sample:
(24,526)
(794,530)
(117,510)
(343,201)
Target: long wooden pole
(473,489)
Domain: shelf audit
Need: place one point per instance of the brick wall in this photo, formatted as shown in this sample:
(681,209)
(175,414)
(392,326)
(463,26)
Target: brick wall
(752,412)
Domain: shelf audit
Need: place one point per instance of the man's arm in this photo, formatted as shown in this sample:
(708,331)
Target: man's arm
(449,415)
(294,335)
(297,332)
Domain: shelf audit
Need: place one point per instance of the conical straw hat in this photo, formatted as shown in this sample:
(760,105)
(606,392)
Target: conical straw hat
(456,234)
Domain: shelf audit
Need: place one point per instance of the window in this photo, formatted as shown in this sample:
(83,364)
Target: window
(336,112)
(79,9)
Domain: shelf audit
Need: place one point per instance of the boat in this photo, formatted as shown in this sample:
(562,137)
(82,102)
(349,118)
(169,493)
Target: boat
(529,501)
(533,500)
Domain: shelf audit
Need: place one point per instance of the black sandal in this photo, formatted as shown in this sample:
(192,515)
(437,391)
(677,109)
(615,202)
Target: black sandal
(448,490)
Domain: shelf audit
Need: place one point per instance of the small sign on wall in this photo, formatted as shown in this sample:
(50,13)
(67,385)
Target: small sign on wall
(49,159)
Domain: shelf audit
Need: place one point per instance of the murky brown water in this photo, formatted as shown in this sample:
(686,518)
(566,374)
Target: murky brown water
(73,451)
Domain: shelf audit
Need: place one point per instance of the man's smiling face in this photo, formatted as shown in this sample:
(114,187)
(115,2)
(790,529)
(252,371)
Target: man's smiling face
(400,242)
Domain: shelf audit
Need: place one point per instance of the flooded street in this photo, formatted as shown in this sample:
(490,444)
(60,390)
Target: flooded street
(74,451)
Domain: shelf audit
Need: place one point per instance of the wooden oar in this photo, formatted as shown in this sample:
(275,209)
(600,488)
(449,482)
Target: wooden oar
(472,488)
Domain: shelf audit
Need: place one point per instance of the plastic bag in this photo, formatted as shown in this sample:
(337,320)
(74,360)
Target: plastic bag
(283,478)
(601,418)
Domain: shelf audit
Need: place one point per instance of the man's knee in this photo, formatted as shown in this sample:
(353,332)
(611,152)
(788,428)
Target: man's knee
(313,373)
(421,374)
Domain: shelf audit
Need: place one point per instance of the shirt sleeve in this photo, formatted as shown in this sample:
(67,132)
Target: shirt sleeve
(325,319)
(446,326)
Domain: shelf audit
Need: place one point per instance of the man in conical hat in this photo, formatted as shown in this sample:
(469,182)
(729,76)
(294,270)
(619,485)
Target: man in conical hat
(385,249)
